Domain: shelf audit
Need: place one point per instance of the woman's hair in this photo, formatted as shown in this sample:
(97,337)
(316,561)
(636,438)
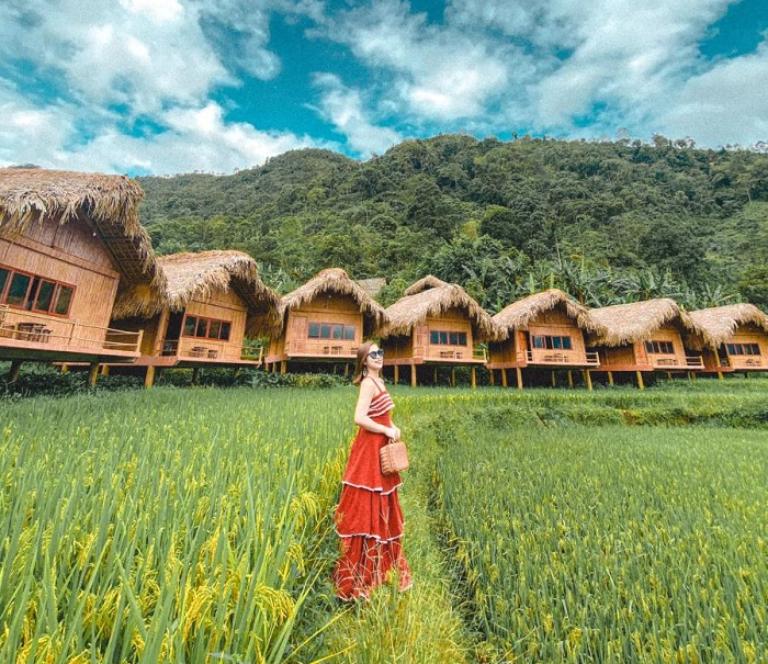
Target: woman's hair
(362,357)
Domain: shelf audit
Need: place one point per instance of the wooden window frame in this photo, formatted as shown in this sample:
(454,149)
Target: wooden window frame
(319,326)
(659,347)
(57,285)
(208,320)
(460,334)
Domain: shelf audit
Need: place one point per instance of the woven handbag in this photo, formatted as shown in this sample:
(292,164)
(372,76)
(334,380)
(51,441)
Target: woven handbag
(394,457)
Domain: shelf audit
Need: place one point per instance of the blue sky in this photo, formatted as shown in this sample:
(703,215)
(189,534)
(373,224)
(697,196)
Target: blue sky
(168,86)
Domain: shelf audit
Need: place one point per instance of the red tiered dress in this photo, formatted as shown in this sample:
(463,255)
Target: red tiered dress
(368,517)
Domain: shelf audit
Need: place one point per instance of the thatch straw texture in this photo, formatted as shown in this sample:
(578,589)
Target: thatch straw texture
(717,325)
(108,202)
(198,276)
(637,321)
(431,297)
(519,314)
(373,285)
(336,281)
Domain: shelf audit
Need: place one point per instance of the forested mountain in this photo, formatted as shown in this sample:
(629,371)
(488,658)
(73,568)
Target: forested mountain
(608,222)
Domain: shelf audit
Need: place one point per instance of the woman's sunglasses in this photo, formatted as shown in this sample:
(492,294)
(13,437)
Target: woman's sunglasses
(376,354)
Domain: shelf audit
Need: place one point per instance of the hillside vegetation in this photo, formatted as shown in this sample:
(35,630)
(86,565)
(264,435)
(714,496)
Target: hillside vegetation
(609,222)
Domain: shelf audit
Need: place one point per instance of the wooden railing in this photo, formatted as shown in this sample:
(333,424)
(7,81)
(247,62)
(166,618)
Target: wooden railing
(322,348)
(43,331)
(540,356)
(690,362)
(438,352)
(209,349)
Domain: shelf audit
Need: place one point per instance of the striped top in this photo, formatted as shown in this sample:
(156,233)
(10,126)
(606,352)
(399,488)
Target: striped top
(381,403)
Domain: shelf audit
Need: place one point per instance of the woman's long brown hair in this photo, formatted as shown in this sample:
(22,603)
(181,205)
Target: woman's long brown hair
(362,356)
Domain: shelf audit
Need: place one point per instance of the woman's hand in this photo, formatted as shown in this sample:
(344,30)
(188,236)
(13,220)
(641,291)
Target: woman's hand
(393,432)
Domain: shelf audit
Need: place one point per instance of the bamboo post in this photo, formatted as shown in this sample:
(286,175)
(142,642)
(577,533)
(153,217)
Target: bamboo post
(397,374)
(640,383)
(413,375)
(610,378)
(588,379)
(719,375)
(570,378)
(693,376)
(453,376)
(519,373)
(149,377)
(346,370)
(195,375)
(434,376)
(93,374)
(105,370)
(491,378)
(64,368)
(474,378)
(504,381)
(554,378)
(283,366)
(13,373)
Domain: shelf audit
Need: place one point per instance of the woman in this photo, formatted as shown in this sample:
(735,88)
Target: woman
(368,517)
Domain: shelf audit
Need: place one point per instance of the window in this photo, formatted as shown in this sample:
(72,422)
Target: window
(336,331)
(206,328)
(325,331)
(567,343)
(349,332)
(552,342)
(34,293)
(446,338)
(539,342)
(743,349)
(660,347)
(314,330)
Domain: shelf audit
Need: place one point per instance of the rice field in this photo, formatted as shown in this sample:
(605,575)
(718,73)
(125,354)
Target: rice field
(194,525)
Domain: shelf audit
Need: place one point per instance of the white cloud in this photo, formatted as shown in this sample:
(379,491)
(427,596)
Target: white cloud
(343,107)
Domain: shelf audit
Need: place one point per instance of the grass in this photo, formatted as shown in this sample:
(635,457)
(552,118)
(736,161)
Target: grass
(194,525)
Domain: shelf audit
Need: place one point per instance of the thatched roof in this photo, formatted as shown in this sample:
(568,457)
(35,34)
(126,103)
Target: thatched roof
(373,285)
(334,280)
(716,325)
(431,297)
(520,313)
(637,321)
(108,203)
(197,276)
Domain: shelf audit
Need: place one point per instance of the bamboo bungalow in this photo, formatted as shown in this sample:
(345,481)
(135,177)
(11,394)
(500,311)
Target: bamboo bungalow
(731,338)
(543,331)
(437,324)
(68,241)
(210,301)
(643,337)
(325,320)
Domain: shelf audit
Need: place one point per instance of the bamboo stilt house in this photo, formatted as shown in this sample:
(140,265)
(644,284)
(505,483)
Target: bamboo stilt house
(435,323)
(68,242)
(643,337)
(730,338)
(201,315)
(325,320)
(543,331)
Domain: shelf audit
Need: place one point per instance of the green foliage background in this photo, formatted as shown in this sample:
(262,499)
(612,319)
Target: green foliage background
(608,222)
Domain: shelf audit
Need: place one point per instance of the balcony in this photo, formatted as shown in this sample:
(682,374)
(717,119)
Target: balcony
(439,353)
(209,350)
(670,363)
(322,348)
(559,358)
(32,335)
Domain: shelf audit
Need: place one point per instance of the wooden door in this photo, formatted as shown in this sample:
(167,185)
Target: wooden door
(297,333)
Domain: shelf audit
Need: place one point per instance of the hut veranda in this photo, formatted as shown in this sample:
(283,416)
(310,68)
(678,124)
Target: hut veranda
(324,321)
(642,338)
(435,324)
(69,242)
(544,331)
(209,302)
(730,338)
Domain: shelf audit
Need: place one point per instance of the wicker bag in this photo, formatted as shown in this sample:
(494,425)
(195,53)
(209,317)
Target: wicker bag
(394,457)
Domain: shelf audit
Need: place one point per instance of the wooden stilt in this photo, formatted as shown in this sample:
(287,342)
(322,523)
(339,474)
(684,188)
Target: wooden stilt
(397,374)
(474,378)
(610,378)
(554,378)
(195,375)
(64,368)
(13,372)
(149,377)
(669,375)
(570,378)
(93,374)
(283,366)
(434,376)
(504,377)
(519,373)
(453,376)
(640,383)
(236,372)
(346,370)
(413,375)
(105,370)
(693,376)
(588,379)
(720,375)
(491,377)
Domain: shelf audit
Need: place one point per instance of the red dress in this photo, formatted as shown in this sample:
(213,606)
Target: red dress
(368,517)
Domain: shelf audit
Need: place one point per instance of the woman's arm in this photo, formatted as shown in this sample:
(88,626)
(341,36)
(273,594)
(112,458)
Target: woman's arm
(367,391)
